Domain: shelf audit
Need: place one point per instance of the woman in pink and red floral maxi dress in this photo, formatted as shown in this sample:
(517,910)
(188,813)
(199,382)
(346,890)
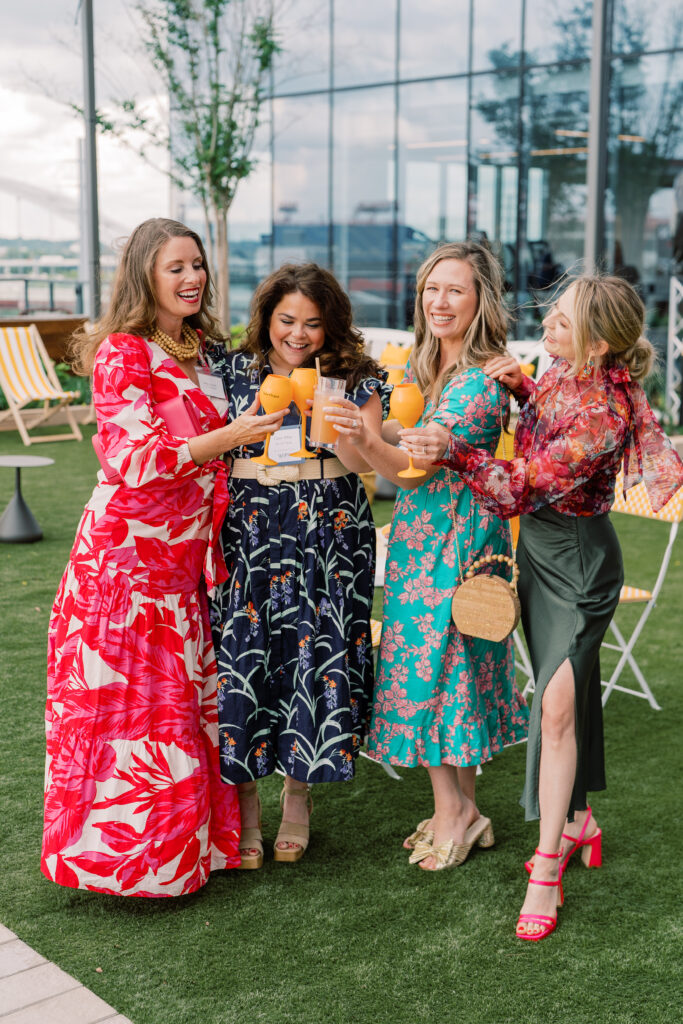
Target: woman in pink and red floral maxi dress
(134,804)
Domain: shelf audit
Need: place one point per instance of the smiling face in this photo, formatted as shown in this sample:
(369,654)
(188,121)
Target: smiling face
(296,332)
(179,279)
(449,300)
(558,326)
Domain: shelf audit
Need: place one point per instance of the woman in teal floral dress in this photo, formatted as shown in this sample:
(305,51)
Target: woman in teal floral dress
(292,624)
(442,700)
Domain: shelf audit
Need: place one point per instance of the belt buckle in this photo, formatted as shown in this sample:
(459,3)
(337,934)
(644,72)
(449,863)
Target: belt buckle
(270,476)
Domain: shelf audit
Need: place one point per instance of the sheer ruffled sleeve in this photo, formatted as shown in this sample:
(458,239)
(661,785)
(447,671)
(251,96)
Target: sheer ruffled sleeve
(650,455)
(581,447)
(135,441)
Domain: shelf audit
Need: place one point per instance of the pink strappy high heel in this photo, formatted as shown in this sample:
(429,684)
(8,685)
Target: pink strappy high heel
(591,854)
(549,924)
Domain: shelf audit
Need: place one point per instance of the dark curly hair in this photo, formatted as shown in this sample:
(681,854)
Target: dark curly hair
(343,353)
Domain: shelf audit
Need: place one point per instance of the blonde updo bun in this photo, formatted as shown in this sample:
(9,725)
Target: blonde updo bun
(609,309)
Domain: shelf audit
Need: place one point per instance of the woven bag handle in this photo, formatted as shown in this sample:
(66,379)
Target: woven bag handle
(487,560)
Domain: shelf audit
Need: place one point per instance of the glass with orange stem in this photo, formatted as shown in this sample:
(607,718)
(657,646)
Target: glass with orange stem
(407,404)
(304,381)
(275,394)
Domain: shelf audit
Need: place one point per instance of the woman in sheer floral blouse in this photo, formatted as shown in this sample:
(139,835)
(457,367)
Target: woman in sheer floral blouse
(584,416)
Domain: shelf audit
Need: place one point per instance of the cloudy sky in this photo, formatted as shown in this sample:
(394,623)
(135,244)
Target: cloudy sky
(40,74)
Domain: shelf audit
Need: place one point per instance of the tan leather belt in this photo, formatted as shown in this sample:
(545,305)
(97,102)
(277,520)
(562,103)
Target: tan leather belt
(312,469)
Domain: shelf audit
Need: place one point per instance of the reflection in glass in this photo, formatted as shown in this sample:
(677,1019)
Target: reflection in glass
(496,31)
(493,163)
(364,41)
(364,201)
(300,194)
(645,178)
(558,32)
(555,154)
(434,38)
(249,229)
(433,158)
(303,32)
(647,25)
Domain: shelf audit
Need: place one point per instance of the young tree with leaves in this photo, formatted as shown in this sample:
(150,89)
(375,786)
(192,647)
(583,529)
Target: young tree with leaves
(214,58)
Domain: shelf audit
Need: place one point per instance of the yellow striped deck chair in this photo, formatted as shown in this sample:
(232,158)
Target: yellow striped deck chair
(27,374)
(637,503)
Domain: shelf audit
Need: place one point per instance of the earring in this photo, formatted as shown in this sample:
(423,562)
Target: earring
(588,370)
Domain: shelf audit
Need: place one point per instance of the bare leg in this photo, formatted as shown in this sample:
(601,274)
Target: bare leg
(454,811)
(557,772)
(294,807)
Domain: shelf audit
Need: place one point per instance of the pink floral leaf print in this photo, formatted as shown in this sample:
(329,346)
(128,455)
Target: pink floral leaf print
(78,763)
(187,861)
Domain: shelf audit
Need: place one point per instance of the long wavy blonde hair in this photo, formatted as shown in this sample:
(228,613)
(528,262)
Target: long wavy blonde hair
(486,335)
(133,305)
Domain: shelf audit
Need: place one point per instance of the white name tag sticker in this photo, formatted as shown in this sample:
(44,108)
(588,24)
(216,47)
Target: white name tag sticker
(213,387)
(282,443)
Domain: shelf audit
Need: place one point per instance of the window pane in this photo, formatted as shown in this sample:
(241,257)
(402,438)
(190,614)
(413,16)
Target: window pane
(647,25)
(364,41)
(496,31)
(249,229)
(434,38)
(558,32)
(555,155)
(300,200)
(494,160)
(645,181)
(303,32)
(363,197)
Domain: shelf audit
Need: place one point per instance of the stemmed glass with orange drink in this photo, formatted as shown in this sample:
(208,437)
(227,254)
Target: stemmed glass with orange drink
(304,381)
(275,393)
(407,404)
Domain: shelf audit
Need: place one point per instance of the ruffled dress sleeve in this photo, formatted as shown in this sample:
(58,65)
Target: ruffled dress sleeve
(134,440)
(370,386)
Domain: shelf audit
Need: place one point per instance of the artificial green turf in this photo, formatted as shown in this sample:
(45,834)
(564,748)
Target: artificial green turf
(352,933)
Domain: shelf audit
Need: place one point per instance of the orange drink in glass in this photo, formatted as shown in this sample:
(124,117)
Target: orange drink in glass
(407,404)
(275,394)
(324,434)
(303,382)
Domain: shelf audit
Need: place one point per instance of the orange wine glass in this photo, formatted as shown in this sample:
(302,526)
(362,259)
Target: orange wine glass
(407,404)
(275,394)
(304,382)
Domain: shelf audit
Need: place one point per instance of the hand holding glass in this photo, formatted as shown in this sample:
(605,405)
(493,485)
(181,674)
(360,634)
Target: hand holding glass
(407,404)
(303,382)
(323,433)
(275,394)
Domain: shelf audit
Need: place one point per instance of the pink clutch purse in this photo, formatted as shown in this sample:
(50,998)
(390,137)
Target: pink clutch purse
(179,415)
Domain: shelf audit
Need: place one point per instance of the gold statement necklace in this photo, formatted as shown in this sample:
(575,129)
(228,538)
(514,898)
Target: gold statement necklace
(180,350)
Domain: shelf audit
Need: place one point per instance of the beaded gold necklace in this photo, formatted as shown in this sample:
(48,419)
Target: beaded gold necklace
(180,350)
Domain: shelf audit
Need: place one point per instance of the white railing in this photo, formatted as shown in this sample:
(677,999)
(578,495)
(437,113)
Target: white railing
(674,351)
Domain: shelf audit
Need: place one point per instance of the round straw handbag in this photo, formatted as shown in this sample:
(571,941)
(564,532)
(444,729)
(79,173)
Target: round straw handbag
(484,606)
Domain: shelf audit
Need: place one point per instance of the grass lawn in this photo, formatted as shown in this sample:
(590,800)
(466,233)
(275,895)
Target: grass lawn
(352,932)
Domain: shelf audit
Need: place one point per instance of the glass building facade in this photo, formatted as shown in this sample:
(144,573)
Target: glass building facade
(399,124)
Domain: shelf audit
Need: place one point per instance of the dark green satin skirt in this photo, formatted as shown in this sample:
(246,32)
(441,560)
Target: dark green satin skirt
(571,573)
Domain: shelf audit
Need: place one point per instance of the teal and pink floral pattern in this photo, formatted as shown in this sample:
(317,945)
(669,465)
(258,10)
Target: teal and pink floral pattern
(441,697)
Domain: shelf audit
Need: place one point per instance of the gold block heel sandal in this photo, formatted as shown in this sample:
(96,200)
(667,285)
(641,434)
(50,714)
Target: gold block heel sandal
(292,832)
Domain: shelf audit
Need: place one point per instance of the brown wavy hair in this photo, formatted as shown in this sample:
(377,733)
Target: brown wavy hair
(485,337)
(608,308)
(343,353)
(133,305)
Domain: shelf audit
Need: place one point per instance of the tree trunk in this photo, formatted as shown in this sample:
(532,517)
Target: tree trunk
(222,268)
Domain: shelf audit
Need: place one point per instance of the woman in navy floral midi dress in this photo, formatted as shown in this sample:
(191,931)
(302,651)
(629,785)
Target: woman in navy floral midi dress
(292,625)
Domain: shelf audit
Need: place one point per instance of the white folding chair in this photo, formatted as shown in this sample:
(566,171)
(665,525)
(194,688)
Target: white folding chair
(636,503)
(27,374)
